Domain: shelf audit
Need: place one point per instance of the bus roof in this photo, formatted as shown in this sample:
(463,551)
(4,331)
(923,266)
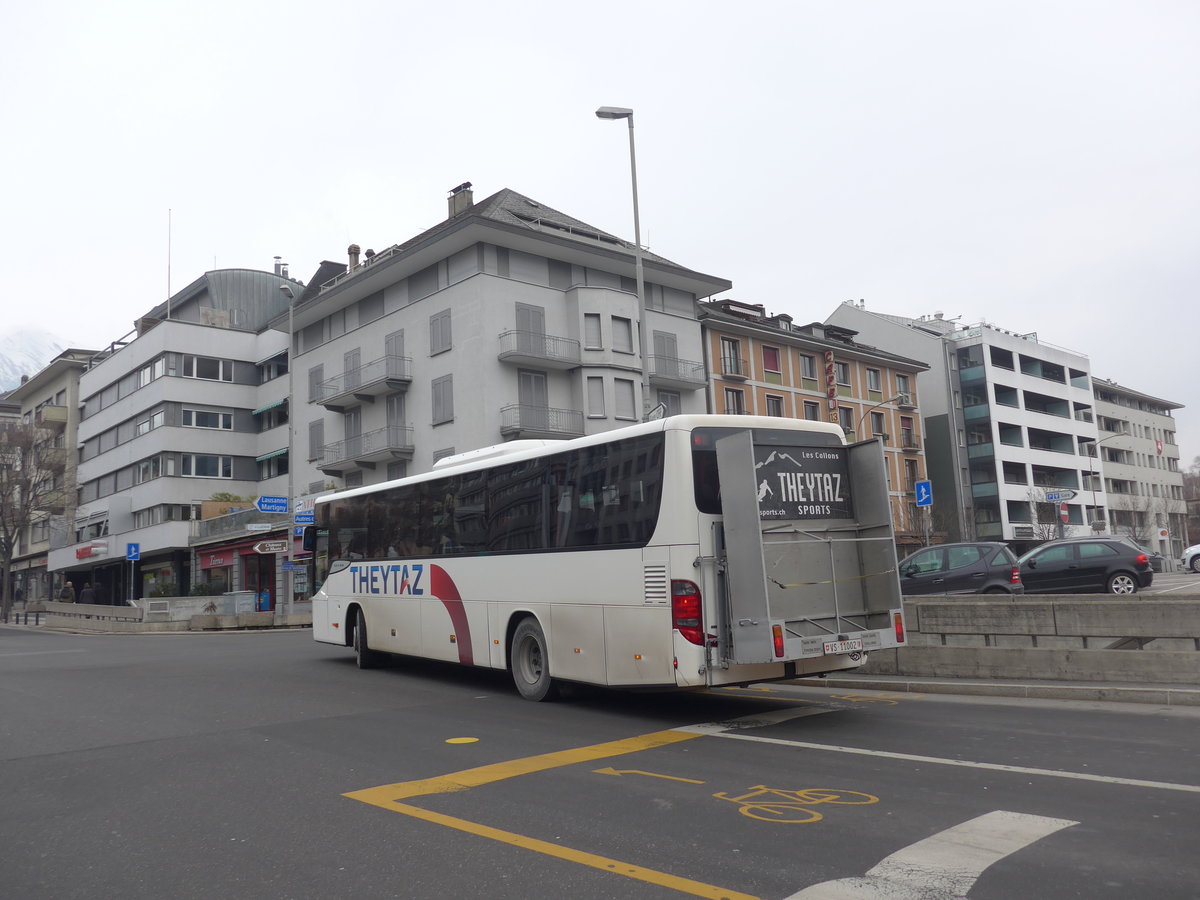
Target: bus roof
(485,457)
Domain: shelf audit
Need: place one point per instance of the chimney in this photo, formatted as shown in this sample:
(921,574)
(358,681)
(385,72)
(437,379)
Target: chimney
(352,250)
(278,264)
(461,199)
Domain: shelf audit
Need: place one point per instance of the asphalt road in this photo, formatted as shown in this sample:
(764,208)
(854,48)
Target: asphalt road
(263,765)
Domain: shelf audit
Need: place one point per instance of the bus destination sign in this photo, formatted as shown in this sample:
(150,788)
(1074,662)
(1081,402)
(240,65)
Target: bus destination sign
(802,483)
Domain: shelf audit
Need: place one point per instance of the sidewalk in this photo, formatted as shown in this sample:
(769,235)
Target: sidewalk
(1124,692)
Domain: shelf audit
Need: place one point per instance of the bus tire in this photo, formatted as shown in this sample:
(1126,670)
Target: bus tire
(363,655)
(530,663)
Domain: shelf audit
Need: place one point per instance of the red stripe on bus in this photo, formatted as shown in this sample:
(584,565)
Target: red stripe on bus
(444,589)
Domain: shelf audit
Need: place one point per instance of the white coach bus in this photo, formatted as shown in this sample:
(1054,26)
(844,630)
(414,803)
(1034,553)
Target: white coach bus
(688,552)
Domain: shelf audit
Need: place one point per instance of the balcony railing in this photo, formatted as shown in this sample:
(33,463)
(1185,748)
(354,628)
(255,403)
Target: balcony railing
(385,375)
(734,367)
(236,522)
(528,421)
(536,348)
(682,374)
(365,450)
(53,417)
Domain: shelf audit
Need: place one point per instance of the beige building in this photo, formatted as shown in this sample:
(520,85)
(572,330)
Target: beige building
(766,365)
(49,400)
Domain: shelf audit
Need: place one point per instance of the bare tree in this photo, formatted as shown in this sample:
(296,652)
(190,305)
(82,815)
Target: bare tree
(1045,520)
(31,484)
(1191,480)
(1136,516)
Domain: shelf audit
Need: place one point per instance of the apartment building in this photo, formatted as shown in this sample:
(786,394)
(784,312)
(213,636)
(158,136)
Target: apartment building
(766,365)
(49,402)
(1010,419)
(1139,460)
(508,320)
(190,405)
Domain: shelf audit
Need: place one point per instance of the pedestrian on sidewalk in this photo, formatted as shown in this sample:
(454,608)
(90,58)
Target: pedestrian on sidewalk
(67,594)
(87,595)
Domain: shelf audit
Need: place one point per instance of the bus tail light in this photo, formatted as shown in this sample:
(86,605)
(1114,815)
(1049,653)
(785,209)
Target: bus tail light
(777,639)
(898,621)
(685,610)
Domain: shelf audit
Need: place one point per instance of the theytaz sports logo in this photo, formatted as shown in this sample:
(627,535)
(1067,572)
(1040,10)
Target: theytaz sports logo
(802,483)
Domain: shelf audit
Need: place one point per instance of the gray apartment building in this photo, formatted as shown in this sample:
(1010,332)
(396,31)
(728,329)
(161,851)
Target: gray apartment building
(507,320)
(1009,420)
(189,405)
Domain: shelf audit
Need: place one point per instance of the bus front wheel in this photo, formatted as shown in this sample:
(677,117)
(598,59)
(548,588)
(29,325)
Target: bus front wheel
(366,658)
(530,663)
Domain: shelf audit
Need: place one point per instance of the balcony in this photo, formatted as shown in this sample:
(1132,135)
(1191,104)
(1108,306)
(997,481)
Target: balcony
(909,441)
(385,375)
(676,374)
(52,417)
(735,367)
(366,450)
(521,420)
(533,348)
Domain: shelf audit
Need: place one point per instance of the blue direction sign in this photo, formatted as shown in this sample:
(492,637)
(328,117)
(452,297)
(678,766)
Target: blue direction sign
(924,493)
(305,518)
(133,552)
(271,504)
(1053,496)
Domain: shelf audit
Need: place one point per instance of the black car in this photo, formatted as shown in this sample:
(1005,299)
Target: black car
(1111,565)
(972,568)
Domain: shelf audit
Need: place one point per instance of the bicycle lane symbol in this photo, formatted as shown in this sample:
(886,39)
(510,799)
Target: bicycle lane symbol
(793,807)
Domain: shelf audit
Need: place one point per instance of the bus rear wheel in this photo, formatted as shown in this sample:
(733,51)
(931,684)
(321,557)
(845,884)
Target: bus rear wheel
(364,656)
(530,663)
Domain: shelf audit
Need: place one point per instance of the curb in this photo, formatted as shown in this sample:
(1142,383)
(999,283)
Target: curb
(1161,695)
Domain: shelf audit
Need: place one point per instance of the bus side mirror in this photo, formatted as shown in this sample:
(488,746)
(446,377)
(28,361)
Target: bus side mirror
(309,541)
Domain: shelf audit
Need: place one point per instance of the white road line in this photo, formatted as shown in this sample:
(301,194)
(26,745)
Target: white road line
(718,729)
(945,865)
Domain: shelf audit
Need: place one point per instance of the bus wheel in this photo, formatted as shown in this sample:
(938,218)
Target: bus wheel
(530,663)
(366,658)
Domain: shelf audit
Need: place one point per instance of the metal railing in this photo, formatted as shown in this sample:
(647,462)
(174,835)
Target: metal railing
(677,369)
(539,345)
(524,417)
(389,439)
(386,368)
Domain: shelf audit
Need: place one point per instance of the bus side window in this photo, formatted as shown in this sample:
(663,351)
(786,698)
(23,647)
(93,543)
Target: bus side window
(707,484)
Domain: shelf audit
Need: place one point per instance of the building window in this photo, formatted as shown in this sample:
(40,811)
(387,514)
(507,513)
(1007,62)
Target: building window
(595,397)
(146,423)
(846,419)
(672,405)
(874,380)
(770,357)
(623,394)
(812,411)
(199,465)
(439,332)
(877,427)
(207,368)
(201,418)
(731,356)
(397,469)
(592,338)
(735,401)
(902,385)
(316,440)
(774,406)
(315,376)
(443,399)
(270,468)
(842,372)
(622,335)
(808,366)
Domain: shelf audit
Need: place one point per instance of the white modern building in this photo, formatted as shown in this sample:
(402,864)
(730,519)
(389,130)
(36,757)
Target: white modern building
(189,405)
(508,320)
(1011,423)
(1140,463)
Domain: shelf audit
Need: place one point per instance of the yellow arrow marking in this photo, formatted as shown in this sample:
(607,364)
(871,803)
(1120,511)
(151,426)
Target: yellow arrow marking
(611,771)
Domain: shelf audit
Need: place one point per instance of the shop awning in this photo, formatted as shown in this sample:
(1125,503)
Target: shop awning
(263,409)
(271,455)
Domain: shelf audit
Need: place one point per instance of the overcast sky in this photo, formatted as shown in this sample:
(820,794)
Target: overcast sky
(1031,164)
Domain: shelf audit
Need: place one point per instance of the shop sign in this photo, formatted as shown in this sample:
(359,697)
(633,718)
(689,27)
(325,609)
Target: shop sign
(220,560)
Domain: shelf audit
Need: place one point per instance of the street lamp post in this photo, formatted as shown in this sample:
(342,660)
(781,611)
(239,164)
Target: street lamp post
(620,112)
(870,409)
(291,426)
(1095,454)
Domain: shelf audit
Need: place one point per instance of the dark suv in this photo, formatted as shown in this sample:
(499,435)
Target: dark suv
(1084,565)
(977,568)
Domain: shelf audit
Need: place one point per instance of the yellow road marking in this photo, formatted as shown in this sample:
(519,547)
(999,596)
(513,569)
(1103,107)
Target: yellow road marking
(388,797)
(611,771)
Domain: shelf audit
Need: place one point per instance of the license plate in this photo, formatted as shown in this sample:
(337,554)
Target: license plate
(843,646)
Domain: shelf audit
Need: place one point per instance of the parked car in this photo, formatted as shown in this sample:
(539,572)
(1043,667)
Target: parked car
(1191,558)
(970,568)
(1077,566)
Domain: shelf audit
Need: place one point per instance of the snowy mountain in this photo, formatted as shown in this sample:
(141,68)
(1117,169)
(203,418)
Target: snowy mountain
(25,352)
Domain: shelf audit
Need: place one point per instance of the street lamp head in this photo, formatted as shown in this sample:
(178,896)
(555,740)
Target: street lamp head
(614,112)
(287,291)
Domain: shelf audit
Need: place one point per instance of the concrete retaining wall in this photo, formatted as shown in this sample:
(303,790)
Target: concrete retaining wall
(1069,638)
